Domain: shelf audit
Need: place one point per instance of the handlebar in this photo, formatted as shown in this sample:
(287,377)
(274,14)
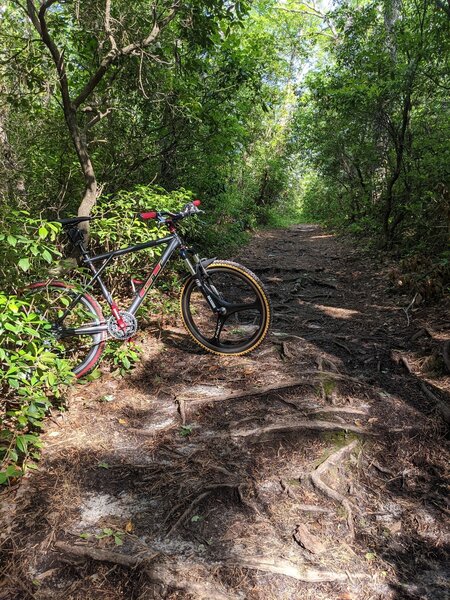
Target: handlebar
(164,216)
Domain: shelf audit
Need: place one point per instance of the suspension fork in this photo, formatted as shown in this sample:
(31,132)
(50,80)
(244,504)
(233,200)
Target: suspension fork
(201,277)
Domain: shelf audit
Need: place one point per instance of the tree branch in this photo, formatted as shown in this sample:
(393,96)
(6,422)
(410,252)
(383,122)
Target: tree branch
(115,53)
(108,29)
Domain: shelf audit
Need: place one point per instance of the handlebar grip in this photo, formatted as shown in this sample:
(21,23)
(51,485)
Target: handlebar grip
(148,215)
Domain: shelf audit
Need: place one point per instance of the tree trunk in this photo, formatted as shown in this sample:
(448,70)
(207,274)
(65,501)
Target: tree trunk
(12,179)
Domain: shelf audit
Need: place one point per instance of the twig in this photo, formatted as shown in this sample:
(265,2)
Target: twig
(181,410)
(443,408)
(420,333)
(410,305)
(197,500)
(406,364)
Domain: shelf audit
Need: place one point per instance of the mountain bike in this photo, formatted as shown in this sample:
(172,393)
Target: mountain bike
(224,306)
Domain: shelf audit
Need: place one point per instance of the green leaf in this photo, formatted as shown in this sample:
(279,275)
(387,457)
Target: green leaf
(24,264)
(196,518)
(12,241)
(43,232)
(47,256)
(21,443)
(107,398)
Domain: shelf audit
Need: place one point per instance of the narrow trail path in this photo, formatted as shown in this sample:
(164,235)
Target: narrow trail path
(313,468)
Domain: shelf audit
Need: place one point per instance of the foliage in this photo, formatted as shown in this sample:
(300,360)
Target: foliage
(371,126)
(31,375)
(123,356)
(118,226)
(26,244)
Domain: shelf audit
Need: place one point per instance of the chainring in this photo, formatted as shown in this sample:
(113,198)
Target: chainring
(130,322)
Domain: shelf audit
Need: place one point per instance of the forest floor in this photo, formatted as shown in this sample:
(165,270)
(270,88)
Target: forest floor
(314,468)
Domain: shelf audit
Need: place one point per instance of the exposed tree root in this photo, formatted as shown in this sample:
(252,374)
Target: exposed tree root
(162,570)
(316,479)
(307,540)
(289,427)
(172,573)
(260,391)
(286,567)
(442,407)
(348,410)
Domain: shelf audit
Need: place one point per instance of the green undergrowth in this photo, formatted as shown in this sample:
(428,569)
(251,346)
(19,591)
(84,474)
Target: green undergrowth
(32,377)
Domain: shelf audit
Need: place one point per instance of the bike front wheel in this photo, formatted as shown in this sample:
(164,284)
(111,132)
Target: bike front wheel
(64,333)
(246,311)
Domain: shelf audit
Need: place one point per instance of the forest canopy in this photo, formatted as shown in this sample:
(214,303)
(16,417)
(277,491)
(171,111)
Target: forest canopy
(259,108)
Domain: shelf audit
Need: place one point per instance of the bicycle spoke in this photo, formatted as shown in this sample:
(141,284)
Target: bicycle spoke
(234,308)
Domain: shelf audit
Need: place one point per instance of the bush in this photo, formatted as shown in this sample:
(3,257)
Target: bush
(31,376)
(118,226)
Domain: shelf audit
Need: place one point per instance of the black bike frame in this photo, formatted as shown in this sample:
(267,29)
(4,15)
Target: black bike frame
(173,242)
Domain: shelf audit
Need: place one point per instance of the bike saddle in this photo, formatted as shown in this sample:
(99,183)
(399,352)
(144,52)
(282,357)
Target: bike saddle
(73,221)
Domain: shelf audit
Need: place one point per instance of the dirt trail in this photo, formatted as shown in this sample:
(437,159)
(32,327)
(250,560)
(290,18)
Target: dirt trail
(314,468)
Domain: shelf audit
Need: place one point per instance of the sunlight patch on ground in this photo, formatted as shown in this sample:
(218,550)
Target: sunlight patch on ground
(337,313)
(98,506)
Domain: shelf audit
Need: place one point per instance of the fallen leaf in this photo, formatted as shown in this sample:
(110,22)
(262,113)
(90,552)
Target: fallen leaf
(123,421)
(129,527)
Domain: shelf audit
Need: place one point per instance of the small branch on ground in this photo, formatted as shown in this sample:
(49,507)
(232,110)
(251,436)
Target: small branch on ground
(442,407)
(420,333)
(406,310)
(181,410)
(208,490)
(406,364)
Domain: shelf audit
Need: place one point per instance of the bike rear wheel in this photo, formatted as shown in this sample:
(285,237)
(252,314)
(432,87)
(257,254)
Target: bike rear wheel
(247,316)
(82,351)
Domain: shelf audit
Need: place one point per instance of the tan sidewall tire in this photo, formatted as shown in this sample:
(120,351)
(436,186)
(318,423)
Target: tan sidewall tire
(243,271)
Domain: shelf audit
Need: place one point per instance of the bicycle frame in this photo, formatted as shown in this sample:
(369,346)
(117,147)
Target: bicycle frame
(173,243)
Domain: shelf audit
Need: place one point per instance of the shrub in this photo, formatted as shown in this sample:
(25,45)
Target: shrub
(31,374)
